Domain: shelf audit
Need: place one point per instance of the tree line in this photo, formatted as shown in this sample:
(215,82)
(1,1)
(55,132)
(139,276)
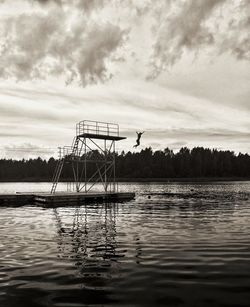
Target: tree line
(198,162)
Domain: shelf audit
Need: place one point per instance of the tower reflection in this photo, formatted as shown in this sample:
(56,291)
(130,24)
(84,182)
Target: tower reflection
(87,234)
(86,240)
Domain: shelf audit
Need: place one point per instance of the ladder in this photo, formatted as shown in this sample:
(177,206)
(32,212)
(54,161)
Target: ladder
(56,175)
(60,163)
(75,146)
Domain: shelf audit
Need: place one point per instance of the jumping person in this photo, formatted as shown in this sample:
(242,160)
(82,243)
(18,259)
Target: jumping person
(139,134)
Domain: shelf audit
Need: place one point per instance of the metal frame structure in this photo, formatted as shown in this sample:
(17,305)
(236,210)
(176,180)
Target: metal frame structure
(92,156)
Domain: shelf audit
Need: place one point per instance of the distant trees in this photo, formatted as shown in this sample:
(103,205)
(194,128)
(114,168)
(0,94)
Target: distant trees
(194,163)
(197,162)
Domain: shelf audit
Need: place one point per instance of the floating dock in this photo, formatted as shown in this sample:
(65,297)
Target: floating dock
(61,198)
(80,198)
(16,199)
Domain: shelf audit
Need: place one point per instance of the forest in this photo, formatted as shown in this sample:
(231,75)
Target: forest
(147,164)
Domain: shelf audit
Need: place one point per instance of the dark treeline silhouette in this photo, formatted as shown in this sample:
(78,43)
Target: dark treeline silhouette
(196,163)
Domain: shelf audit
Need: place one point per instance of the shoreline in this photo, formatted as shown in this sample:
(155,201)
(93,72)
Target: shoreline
(146,180)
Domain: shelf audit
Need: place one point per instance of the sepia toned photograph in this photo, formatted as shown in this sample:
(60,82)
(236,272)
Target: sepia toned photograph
(124,153)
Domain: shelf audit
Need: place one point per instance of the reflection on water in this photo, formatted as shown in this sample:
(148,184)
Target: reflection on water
(186,245)
(86,239)
(89,240)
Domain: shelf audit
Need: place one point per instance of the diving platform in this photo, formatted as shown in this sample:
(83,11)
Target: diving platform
(102,137)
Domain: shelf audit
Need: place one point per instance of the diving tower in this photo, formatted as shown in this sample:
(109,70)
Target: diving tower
(92,158)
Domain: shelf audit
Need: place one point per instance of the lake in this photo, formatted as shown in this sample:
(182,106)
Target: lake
(176,244)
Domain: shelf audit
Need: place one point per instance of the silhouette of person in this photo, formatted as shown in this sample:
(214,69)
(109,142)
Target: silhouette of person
(139,134)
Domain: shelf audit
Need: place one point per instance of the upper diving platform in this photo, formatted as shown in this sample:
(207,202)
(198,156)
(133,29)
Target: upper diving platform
(98,130)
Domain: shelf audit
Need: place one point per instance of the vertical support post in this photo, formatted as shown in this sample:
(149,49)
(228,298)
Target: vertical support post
(114,187)
(105,166)
(85,164)
(74,173)
(77,176)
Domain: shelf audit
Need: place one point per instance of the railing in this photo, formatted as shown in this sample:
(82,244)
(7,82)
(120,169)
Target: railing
(97,128)
(65,151)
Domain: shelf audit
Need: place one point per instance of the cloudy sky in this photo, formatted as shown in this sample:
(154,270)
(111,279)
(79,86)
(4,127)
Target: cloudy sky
(178,69)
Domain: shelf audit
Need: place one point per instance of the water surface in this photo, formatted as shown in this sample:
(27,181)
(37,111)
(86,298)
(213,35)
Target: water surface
(174,245)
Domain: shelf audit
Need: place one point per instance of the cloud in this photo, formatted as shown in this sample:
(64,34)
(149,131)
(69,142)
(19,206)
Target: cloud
(54,43)
(237,39)
(85,40)
(86,5)
(185,29)
(80,3)
(27,151)
(195,25)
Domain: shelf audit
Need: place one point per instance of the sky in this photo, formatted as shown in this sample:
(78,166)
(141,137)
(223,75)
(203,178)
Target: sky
(177,69)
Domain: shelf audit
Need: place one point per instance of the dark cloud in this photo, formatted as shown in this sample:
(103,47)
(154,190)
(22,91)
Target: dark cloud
(237,38)
(86,5)
(193,25)
(51,43)
(184,28)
